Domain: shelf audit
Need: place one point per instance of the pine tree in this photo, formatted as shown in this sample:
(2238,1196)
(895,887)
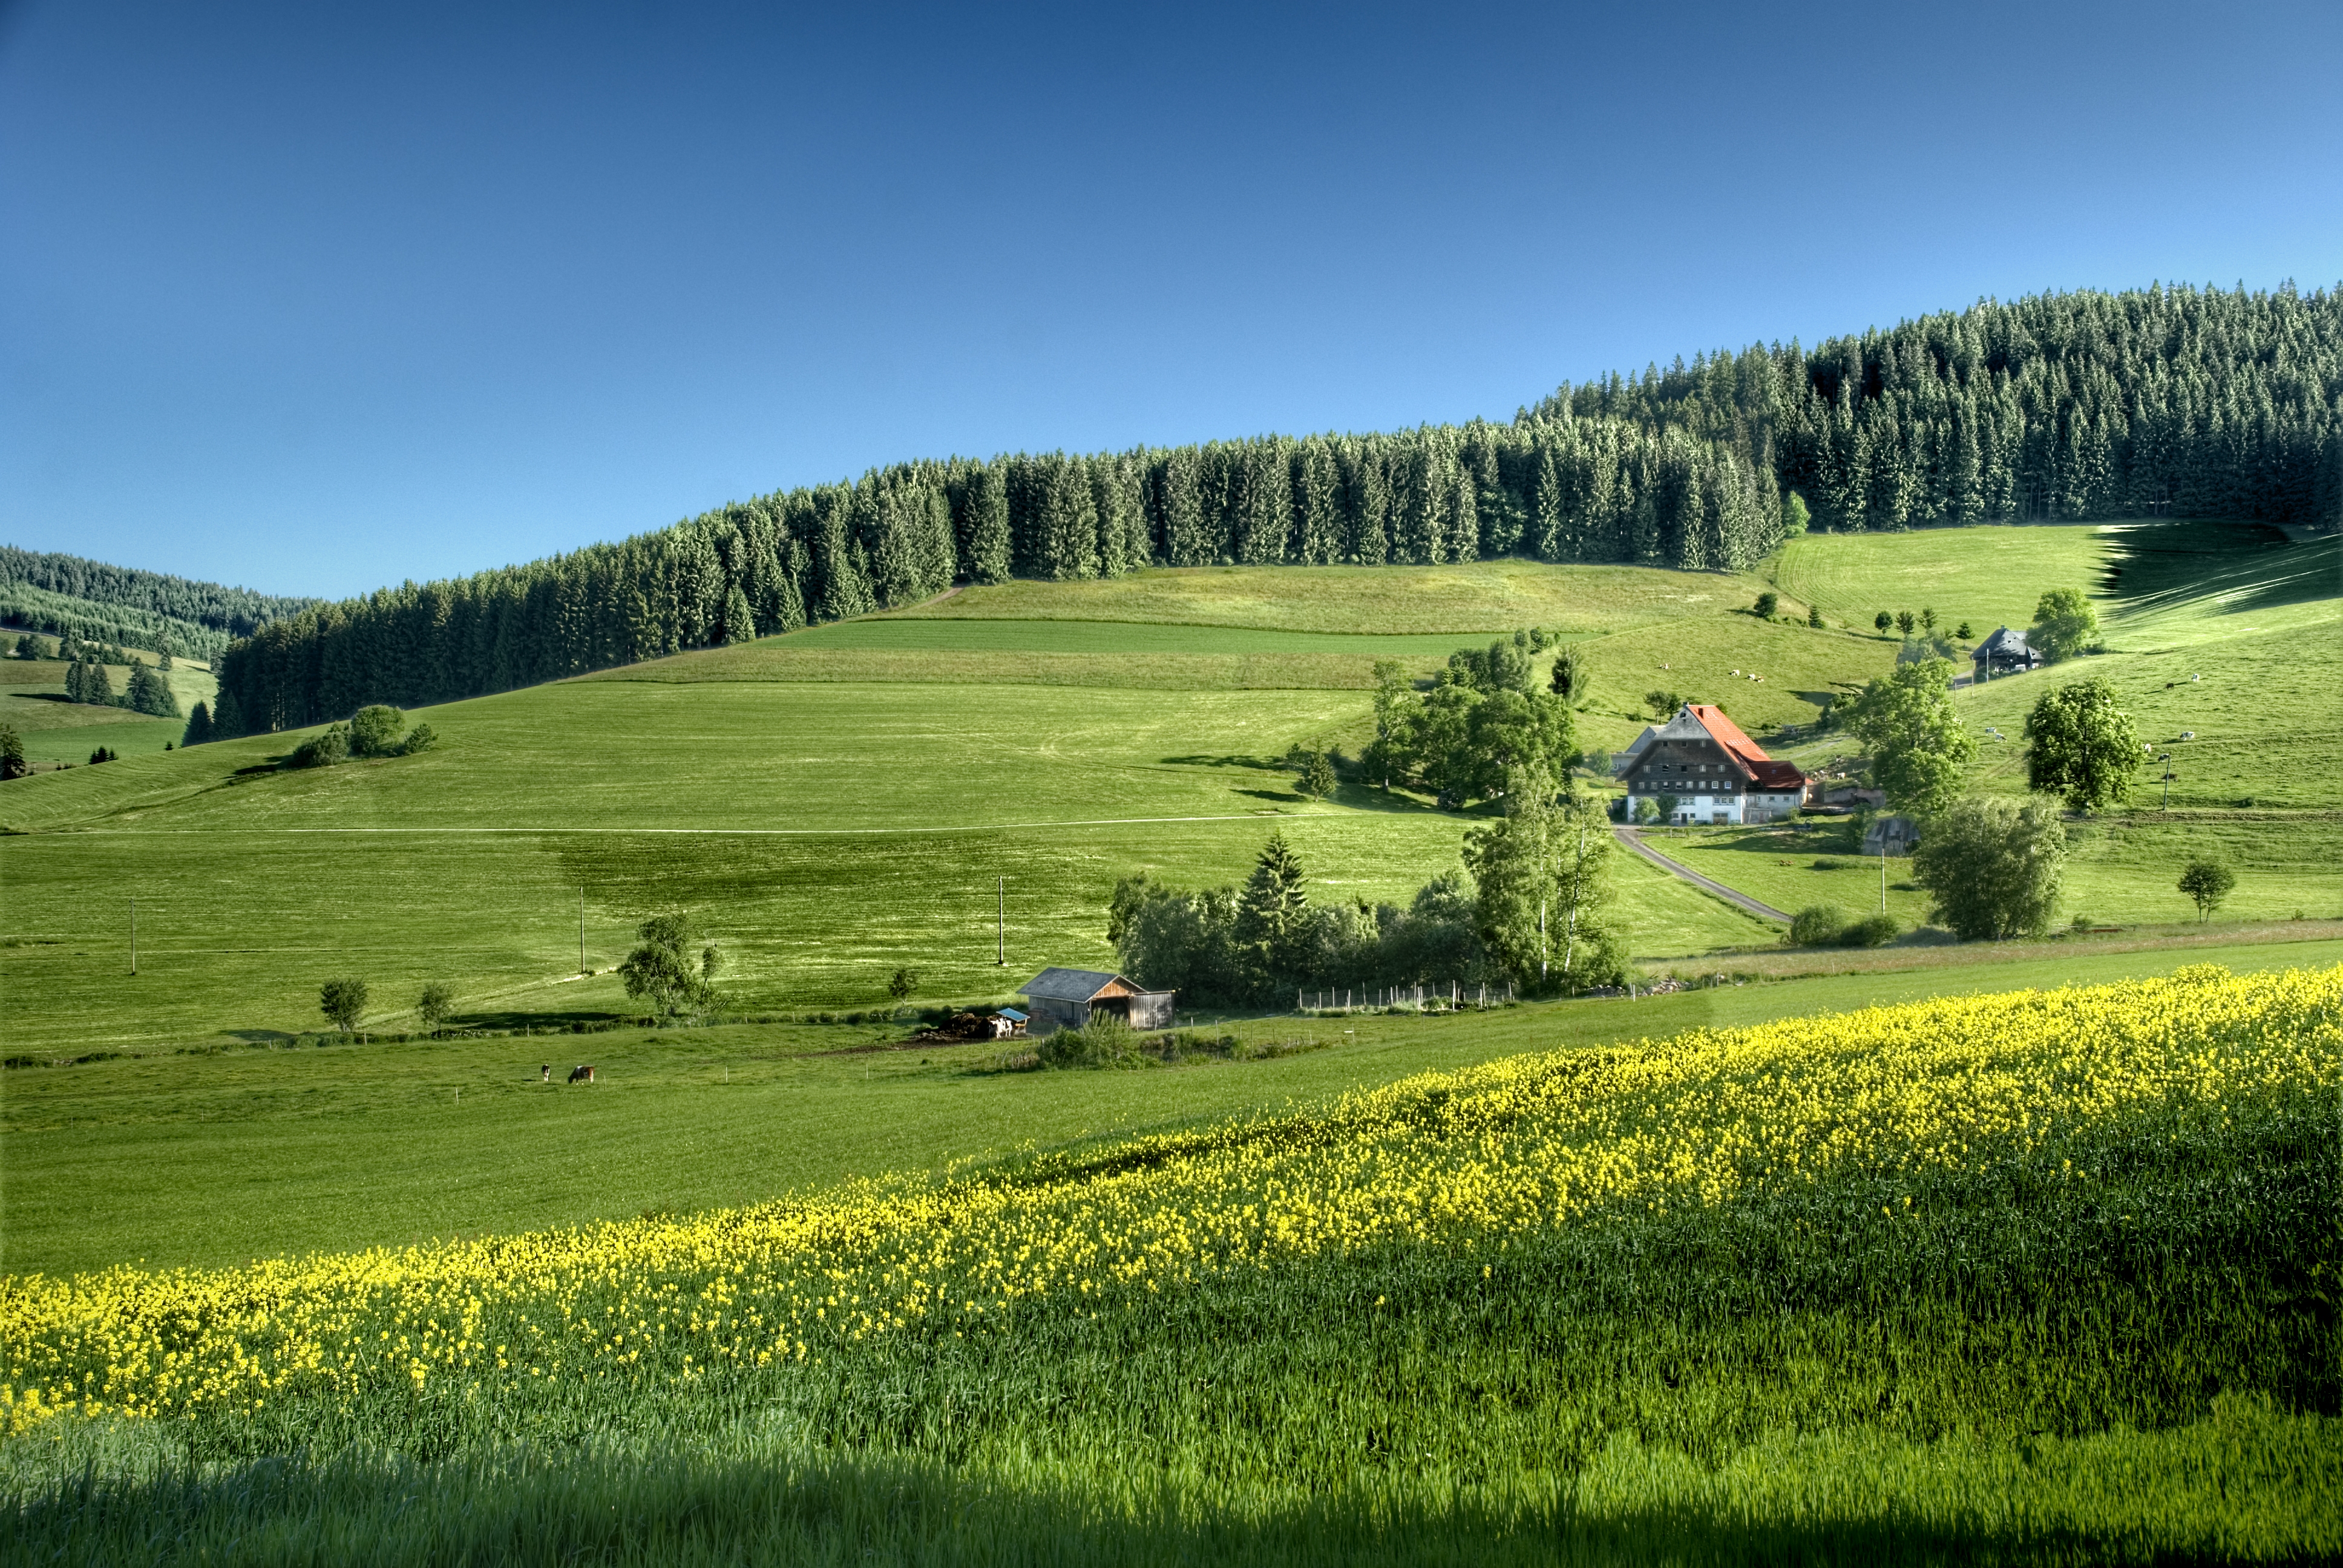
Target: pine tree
(199,726)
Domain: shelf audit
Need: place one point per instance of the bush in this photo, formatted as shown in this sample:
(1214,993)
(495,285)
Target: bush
(1818,926)
(1828,864)
(322,750)
(1871,932)
(1829,926)
(1767,603)
(1105,1041)
(375,731)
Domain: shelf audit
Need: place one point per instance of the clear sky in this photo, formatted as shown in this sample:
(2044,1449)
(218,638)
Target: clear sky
(314,298)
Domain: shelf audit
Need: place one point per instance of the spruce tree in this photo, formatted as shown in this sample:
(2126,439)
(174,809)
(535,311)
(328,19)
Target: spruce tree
(739,621)
(1271,914)
(988,526)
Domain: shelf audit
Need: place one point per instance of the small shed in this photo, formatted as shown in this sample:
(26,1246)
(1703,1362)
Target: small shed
(1069,999)
(1891,835)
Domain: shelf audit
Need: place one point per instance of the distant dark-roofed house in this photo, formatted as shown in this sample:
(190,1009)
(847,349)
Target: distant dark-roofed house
(2004,653)
(1069,999)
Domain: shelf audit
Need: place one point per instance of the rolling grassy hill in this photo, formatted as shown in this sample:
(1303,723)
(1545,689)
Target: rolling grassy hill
(839,802)
(54,729)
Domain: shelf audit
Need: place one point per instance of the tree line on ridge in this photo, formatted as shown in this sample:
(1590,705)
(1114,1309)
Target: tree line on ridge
(2160,401)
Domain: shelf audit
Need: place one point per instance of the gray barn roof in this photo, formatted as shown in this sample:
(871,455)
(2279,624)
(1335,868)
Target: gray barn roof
(2002,641)
(1622,760)
(1072,985)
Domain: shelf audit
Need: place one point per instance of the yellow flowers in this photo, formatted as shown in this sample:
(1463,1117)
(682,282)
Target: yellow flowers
(1464,1159)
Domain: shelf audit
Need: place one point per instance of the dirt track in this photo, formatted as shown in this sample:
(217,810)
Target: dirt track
(1634,840)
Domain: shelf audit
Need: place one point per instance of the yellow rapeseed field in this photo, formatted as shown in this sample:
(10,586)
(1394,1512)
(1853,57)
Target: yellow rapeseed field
(1464,1159)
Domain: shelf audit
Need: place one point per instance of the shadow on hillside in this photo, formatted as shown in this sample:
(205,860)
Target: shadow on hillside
(2248,566)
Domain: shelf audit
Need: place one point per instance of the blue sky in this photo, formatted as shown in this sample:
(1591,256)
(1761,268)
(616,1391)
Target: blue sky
(317,297)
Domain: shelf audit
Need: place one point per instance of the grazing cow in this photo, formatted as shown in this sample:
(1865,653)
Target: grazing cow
(545,1073)
(581,1075)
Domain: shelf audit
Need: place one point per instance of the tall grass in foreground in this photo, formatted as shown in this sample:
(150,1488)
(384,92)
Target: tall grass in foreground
(2040,1276)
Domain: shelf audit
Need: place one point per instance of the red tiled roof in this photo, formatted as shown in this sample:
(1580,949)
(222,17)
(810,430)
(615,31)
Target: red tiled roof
(1762,770)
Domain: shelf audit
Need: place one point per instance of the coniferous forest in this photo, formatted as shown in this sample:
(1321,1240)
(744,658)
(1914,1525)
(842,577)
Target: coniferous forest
(2164,401)
(72,597)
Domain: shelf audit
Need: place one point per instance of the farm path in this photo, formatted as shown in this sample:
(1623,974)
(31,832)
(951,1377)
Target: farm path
(1634,840)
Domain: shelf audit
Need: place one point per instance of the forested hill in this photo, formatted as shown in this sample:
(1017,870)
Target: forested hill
(2174,402)
(2078,405)
(68,595)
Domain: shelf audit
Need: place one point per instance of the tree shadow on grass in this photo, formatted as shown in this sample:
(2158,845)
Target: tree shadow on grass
(580,1021)
(1198,759)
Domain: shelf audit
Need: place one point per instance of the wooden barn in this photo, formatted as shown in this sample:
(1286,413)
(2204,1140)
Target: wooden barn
(1069,999)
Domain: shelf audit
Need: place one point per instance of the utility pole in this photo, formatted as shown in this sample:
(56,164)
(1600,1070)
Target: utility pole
(1883,873)
(1001,892)
(133,936)
(581,930)
(2166,759)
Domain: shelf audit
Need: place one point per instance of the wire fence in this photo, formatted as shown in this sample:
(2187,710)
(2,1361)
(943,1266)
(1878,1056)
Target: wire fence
(1454,997)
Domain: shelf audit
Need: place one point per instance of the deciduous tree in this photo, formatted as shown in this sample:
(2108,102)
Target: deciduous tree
(2080,746)
(662,969)
(343,1001)
(2208,882)
(2065,624)
(1993,866)
(1917,744)
(435,1005)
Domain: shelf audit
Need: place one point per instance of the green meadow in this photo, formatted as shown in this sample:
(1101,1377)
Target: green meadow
(54,730)
(856,798)
(2015,1357)
(315,1144)
(1988,577)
